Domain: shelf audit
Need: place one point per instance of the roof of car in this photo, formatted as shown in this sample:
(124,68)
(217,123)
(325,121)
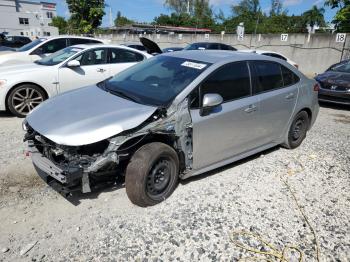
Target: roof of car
(215,56)
(85,46)
(71,36)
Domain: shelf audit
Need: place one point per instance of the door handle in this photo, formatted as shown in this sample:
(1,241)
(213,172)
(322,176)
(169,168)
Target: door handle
(101,70)
(289,96)
(250,109)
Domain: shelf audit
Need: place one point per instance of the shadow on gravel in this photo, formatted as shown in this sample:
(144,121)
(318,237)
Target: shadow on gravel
(6,114)
(229,166)
(76,197)
(335,106)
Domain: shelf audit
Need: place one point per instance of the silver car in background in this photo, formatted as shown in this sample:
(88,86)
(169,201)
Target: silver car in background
(171,117)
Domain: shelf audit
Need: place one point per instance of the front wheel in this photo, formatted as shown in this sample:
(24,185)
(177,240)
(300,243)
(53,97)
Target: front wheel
(297,131)
(25,98)
(152,174)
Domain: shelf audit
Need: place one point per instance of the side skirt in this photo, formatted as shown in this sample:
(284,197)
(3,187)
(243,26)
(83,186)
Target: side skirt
(229,160)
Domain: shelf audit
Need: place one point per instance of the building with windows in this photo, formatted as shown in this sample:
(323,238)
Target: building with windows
(28,18)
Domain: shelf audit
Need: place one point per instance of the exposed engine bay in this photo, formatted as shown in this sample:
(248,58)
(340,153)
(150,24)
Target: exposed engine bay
(81,168)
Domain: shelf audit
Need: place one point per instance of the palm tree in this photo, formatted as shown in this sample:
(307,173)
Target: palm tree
(314,16)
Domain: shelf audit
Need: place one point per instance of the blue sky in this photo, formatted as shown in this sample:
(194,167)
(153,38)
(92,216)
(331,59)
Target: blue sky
(146,10)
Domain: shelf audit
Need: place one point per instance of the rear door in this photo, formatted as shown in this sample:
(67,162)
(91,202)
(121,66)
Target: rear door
(93,69)
(277,88)
(120,59)
(230,128)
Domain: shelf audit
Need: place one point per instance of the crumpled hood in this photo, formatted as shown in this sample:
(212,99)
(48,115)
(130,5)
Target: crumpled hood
(86,115)
(334,78)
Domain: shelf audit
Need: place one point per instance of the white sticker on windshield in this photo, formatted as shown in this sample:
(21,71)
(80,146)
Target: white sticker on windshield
(194,65)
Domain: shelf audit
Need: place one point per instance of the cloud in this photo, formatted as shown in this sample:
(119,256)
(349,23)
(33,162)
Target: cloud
(291,2)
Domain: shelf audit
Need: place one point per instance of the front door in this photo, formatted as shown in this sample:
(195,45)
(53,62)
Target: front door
(229,129)
(93,69)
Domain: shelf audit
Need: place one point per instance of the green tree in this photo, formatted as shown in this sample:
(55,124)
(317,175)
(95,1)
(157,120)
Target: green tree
(314,16)
(60,23)
(122,20)
(86,15)
(342,17)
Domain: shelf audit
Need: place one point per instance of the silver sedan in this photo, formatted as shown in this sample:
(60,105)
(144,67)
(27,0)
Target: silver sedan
(171,117)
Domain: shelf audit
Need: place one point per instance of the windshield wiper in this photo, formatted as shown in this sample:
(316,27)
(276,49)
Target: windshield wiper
(121,94)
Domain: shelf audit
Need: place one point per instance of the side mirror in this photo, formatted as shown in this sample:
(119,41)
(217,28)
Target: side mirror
(209,102)
(73,63)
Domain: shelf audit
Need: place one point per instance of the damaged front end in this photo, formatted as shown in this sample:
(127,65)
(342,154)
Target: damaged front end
(82,168)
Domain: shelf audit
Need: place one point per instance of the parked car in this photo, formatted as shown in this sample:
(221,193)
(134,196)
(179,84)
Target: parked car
(42,47)
(209,46)
(136,46)
(14,41)
(335,84)
(272,54)
(170,117)
(172,49)
(23,87)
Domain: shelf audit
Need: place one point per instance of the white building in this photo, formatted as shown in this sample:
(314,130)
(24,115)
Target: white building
(28,18)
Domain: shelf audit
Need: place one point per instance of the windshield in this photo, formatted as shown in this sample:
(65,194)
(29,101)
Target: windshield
(59,56)
(30,45)
(344,67)
(156,81)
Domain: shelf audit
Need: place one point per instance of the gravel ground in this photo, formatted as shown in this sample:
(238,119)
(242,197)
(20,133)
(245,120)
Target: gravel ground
(198,220)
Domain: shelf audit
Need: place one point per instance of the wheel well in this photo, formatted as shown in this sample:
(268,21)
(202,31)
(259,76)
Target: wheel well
(132,145)
(309,113)
(20,84)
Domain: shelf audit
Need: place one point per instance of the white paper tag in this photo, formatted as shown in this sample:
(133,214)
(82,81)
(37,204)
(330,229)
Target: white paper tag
(194,65)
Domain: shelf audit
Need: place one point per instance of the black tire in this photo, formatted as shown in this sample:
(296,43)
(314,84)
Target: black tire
(298,129)
(24,98)
(152,174)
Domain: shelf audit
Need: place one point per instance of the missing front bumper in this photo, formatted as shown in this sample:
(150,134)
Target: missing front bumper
(64,180)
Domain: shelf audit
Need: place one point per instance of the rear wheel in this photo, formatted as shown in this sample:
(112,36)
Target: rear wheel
(25,98)
(298,129)
(152,174)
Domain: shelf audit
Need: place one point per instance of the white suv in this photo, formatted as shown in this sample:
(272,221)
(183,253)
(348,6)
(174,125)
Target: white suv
(42,47)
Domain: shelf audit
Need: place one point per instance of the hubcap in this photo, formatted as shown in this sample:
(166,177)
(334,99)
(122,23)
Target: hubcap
(159,177)
(298,129)
(26,99)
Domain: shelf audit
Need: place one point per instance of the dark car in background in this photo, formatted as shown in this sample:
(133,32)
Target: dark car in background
(209,46)
(335,84)
(14,41)
(172,49)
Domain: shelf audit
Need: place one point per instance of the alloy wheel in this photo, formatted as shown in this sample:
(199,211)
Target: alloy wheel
(26,99)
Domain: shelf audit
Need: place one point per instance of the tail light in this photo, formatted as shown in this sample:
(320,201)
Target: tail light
(317,87)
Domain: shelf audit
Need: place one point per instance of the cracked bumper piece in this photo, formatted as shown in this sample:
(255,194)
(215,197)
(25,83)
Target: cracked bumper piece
(63,180)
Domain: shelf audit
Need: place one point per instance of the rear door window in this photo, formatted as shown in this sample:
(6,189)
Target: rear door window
(124,56)
(268,76)
(232,81)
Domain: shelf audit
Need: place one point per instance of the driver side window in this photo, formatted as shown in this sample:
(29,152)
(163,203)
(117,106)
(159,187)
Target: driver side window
(93,57)
(53,46)
(231,81)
